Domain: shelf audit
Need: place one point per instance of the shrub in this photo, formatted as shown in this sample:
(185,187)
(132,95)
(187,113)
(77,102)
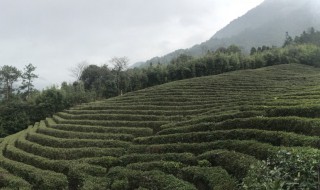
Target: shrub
(122,178)
(185,158)
(302,111)
(295,169)
(12,182)
(293,124)
(253,148)
(215,178)
(169,167)
(235,163)
(276,138)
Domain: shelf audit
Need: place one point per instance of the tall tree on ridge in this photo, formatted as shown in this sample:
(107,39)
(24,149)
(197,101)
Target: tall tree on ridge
(28,76)
(9,75)
(120,64)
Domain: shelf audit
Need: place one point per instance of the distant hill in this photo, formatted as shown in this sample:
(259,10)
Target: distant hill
(266,24)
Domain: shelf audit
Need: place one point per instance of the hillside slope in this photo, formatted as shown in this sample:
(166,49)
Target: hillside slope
(266,24)
(201,133)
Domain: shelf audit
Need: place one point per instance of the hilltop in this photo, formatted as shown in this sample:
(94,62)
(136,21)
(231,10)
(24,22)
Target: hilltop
(266,24)
(200,133)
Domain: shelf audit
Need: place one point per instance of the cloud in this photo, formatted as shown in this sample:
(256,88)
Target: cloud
(55,35)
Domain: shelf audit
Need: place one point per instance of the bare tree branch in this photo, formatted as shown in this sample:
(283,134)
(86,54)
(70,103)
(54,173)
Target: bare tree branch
(77,71)
(120,64)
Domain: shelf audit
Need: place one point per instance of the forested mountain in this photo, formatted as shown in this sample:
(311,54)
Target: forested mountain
(266,24)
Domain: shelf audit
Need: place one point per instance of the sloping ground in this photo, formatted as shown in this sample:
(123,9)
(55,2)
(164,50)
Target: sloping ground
(201,133)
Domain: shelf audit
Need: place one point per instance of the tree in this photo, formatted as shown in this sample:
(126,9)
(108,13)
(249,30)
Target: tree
(253,51)
(99,80)
(9,75)
(52,100)
(77,71)
(288,40)
(28,77)
(89,75)
(119,63)
(233,49)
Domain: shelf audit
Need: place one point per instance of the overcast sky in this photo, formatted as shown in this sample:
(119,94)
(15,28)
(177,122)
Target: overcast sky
(55,35)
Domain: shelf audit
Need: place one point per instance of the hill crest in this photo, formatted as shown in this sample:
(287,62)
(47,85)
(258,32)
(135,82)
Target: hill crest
(208,128)
(265,24)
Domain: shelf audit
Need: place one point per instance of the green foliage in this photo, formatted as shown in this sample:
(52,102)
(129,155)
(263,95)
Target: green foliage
(99,80)
(298,125)
(123,179)
(66,153)
(215,178)
(253,148)
(9,181)
(39,179)
(136,131)
(8,76)
(235,163)
(74,143)
(308,37)
(312,111)
(295,169)
(28,76)
(185,158)
(169,167)
(52,99)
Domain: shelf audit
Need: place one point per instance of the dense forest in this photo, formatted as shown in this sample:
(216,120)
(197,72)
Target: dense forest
(22,105)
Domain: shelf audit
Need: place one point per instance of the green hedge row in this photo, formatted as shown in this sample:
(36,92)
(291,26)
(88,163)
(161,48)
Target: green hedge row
(77,172)
(155,125)
(276,138)
(83,135)
(123,117)
(293,124)
(162,99)
(95,183)
(214,178)
(139,112)
(144,107)
(235,163)
(10,181)
(211,118)
(66,154)
(185,158)
(302,98)
(39,179)
(305,126)
(301,111)
(74,143)
(125,179)
(135,131)
(169,167)
(303,93)
(253,148)
(60,166)
(104,161)
(168,103)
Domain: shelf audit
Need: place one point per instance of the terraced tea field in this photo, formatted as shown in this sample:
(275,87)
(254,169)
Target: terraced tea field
(202,133)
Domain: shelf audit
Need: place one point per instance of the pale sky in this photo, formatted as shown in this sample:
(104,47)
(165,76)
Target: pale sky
(55,35)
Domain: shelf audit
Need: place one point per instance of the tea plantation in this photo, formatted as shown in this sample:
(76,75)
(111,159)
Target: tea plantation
(202,133)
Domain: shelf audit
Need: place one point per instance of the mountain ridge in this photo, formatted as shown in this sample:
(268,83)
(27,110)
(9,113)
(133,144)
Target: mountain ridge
(256,28)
